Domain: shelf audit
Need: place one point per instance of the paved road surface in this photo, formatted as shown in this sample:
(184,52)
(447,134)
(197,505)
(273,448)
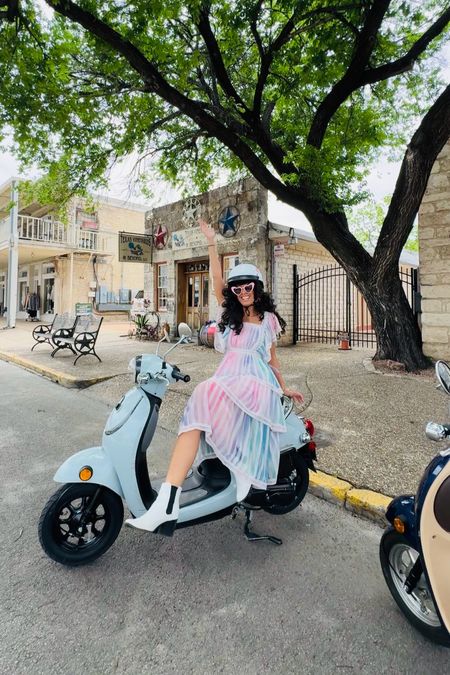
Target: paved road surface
(203,602)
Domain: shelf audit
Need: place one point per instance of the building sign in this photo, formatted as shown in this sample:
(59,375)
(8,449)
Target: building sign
(134,248)
(229,221)
(192,238)
(89,225)
(278,250)
(83,308)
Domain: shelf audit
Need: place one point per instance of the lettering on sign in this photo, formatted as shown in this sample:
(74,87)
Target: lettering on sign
(83,308)
(278,250)
(134,248)
(192,238)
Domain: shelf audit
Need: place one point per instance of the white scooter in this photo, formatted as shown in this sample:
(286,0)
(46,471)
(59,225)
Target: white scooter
(84,517)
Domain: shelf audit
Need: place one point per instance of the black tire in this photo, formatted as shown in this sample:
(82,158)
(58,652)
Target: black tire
(396,551)
(281,504)
(70,537)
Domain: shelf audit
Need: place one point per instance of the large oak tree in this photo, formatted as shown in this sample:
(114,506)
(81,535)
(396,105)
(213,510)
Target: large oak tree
(303,95)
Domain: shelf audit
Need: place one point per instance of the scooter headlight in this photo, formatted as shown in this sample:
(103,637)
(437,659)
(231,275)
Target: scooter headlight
(288,404)
(305,437)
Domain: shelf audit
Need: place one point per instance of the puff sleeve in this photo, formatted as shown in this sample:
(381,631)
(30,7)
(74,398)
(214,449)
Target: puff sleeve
(274,327)
(220,339)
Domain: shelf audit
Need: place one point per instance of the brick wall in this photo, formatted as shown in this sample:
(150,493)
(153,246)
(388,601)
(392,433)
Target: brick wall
(434,254)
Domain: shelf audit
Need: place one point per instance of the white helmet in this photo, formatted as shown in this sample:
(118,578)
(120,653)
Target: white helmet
(244,272)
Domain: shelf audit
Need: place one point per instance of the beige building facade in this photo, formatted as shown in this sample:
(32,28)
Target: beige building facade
(62,265)
(434,255)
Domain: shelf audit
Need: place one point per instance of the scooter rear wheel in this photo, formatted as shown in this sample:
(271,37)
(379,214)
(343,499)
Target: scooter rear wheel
(397,557)
(297,471)
(79,523)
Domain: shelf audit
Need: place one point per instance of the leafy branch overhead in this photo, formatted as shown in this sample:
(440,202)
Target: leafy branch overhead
(303,95)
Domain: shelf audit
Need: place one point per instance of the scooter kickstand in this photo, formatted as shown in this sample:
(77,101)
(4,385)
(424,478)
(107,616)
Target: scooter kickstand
(252,536)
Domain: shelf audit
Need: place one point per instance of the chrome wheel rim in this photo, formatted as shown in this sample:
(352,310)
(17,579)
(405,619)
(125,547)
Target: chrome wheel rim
(401,559)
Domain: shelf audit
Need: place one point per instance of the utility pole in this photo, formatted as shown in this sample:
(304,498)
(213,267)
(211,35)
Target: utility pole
(13,258)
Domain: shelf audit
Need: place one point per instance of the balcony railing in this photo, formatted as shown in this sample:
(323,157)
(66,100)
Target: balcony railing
(39,229)
(55,233)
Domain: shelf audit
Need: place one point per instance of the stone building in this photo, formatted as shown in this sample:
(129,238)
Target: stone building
(65,264)
(177,283)
(434,255)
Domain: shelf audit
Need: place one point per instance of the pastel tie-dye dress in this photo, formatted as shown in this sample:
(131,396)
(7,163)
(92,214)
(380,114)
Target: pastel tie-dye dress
(239,408)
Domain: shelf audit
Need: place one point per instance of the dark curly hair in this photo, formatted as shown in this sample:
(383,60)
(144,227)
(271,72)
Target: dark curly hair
(233,312)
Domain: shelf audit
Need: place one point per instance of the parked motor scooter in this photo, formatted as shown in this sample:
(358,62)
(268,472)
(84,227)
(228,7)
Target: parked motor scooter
(415,551)
(84,517)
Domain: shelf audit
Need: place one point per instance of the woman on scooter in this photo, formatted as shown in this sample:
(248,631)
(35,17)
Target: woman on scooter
(236,414)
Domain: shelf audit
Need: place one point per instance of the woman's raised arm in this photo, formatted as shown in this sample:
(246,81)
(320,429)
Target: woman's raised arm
(214,262)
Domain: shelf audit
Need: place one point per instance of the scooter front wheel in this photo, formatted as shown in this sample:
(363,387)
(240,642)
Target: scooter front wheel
(397,557)
(79,523)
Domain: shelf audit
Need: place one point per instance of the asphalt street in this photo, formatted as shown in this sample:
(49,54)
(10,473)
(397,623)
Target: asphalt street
(205,601)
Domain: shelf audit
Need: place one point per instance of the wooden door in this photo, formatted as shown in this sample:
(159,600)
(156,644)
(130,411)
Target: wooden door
(197,292)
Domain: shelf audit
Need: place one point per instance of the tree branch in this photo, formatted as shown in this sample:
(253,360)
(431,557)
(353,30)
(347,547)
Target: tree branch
(12,12)
(407,61)
(359,74)
(350,81)
(283,37)
(215,54)
(425,145)
(193,109)
(254,29)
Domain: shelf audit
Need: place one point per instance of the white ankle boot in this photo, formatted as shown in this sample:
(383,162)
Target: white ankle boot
(243,486)
(163,514)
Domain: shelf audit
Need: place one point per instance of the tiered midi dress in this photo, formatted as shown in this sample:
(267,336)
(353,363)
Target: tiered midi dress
(238,409)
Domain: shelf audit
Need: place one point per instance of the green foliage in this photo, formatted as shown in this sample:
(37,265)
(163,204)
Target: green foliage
(365,221)
(75,105)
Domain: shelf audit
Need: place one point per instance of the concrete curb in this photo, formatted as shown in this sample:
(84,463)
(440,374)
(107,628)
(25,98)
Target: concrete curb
(365,503)
(69,381)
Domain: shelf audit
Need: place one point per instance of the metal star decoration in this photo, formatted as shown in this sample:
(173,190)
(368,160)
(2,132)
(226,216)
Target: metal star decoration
(191,210)
(160,237)
(229,221)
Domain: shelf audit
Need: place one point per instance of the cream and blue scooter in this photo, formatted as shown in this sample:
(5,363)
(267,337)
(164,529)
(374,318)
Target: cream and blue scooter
(415,549)
(84,517)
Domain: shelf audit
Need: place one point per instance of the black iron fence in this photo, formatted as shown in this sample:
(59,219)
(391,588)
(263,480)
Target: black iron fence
(327,304)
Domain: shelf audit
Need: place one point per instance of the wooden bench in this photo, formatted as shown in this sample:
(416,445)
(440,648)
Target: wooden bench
(80,339)
(44,332)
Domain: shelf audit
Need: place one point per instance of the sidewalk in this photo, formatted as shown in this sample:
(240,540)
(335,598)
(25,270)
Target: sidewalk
(369,426)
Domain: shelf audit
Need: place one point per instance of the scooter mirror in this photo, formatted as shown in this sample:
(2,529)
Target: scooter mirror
(443,375)
(184,331)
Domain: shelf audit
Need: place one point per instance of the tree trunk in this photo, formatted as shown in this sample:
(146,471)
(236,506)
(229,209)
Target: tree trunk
(398,334)
(396,329)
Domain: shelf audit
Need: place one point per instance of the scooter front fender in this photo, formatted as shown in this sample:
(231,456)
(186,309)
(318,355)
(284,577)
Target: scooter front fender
(103,472)
(403,507)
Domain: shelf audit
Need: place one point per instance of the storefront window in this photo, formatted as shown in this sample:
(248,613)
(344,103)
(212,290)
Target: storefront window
(49,286)
(23,289)
(196,291)
(162,286)
(229,261)
(2,293)
(205,291)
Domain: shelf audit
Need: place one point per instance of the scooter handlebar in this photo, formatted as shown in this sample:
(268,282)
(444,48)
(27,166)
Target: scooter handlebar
(178,375)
